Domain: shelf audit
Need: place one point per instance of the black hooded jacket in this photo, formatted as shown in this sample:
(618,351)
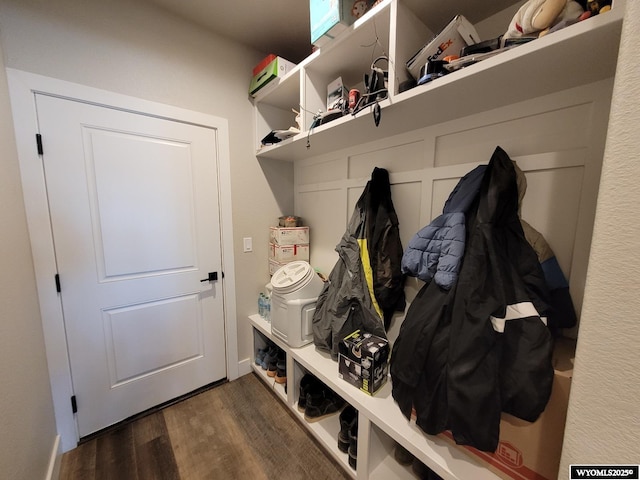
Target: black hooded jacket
(482,347)
(366,285)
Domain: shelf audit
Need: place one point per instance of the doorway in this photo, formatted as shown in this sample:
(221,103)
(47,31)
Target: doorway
(137,236)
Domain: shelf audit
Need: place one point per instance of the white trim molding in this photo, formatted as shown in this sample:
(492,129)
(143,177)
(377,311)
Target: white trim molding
(22,89)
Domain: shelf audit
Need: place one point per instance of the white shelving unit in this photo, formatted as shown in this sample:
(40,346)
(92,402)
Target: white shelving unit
(578,56)
(380,422)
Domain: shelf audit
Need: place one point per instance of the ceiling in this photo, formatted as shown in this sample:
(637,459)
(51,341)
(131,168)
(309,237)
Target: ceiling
(282,26)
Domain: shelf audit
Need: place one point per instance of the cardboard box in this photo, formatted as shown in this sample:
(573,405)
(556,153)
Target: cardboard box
(278,67)
(457,34)
(531,451)
(363,361)
(289,235)
(275,266)
(328,18)
(288,253)
(263,63)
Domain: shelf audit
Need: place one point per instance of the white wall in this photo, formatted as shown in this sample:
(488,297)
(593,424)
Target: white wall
(140,50)
(603,424)
(26,408)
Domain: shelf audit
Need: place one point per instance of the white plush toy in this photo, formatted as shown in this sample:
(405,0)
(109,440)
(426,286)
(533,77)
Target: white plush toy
(538,15)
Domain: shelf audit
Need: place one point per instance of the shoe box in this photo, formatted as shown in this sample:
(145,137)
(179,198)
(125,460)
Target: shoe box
(531,451)
(363,361)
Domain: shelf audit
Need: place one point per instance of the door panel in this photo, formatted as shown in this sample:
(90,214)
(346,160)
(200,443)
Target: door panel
(171,331)
(134,211)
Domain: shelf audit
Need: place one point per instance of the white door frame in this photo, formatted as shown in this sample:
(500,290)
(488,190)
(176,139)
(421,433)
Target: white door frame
(22,87)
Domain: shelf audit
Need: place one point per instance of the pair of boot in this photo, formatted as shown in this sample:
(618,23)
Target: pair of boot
(404,457)
(348,435)
(316,400)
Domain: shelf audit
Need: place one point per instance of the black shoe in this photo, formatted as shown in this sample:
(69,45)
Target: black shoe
(307,382)
(348,416)
(423,472)
(322,402)
(402,455)
(353,444)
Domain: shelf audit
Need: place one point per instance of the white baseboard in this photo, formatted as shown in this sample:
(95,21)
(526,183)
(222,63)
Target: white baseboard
(244,367)
(53,472)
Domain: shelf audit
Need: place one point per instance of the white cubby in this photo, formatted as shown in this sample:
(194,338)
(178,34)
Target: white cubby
(380,422)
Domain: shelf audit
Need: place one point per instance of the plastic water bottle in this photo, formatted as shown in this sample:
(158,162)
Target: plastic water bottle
(267,313)
(261,305)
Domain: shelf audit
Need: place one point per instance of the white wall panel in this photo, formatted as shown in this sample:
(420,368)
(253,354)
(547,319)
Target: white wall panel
(554,139)
(324,211)
(518,134)
(397,158)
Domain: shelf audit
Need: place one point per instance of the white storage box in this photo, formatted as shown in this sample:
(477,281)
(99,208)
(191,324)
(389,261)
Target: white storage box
(457,34)
(288,253)
(289,235)
(296,287)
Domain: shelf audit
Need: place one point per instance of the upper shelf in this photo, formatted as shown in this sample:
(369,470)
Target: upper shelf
(577,55)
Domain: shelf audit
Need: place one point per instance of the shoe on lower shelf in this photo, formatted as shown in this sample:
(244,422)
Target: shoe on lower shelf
(281,372)
(260,353)
(307,382)
(402,455)
(322,402)
(270,356)
(348,417)
(353,445)
(423,472)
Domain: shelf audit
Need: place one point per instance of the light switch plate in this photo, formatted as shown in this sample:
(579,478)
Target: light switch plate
(247,244)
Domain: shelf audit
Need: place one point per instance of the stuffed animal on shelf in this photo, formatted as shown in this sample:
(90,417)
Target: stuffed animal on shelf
(598,6)
(536,16)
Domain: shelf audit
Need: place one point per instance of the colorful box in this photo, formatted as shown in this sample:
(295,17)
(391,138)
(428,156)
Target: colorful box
(278,67)
(328,19)
(363,361)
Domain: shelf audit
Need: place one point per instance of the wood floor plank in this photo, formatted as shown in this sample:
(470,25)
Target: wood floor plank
(79,463)
(287,450)
(153,450)
(236,430)
(115,455)
(206,441)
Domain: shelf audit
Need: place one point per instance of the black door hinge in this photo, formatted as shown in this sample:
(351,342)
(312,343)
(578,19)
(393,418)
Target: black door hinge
(39,143)
(58,289)
(74,404)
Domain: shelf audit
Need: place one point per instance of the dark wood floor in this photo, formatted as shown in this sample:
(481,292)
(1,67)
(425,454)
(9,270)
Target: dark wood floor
(238,430)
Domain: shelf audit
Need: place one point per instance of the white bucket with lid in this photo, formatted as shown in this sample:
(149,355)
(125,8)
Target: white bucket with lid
(296,287)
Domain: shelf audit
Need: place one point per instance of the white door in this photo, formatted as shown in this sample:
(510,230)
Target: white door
(134,210)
